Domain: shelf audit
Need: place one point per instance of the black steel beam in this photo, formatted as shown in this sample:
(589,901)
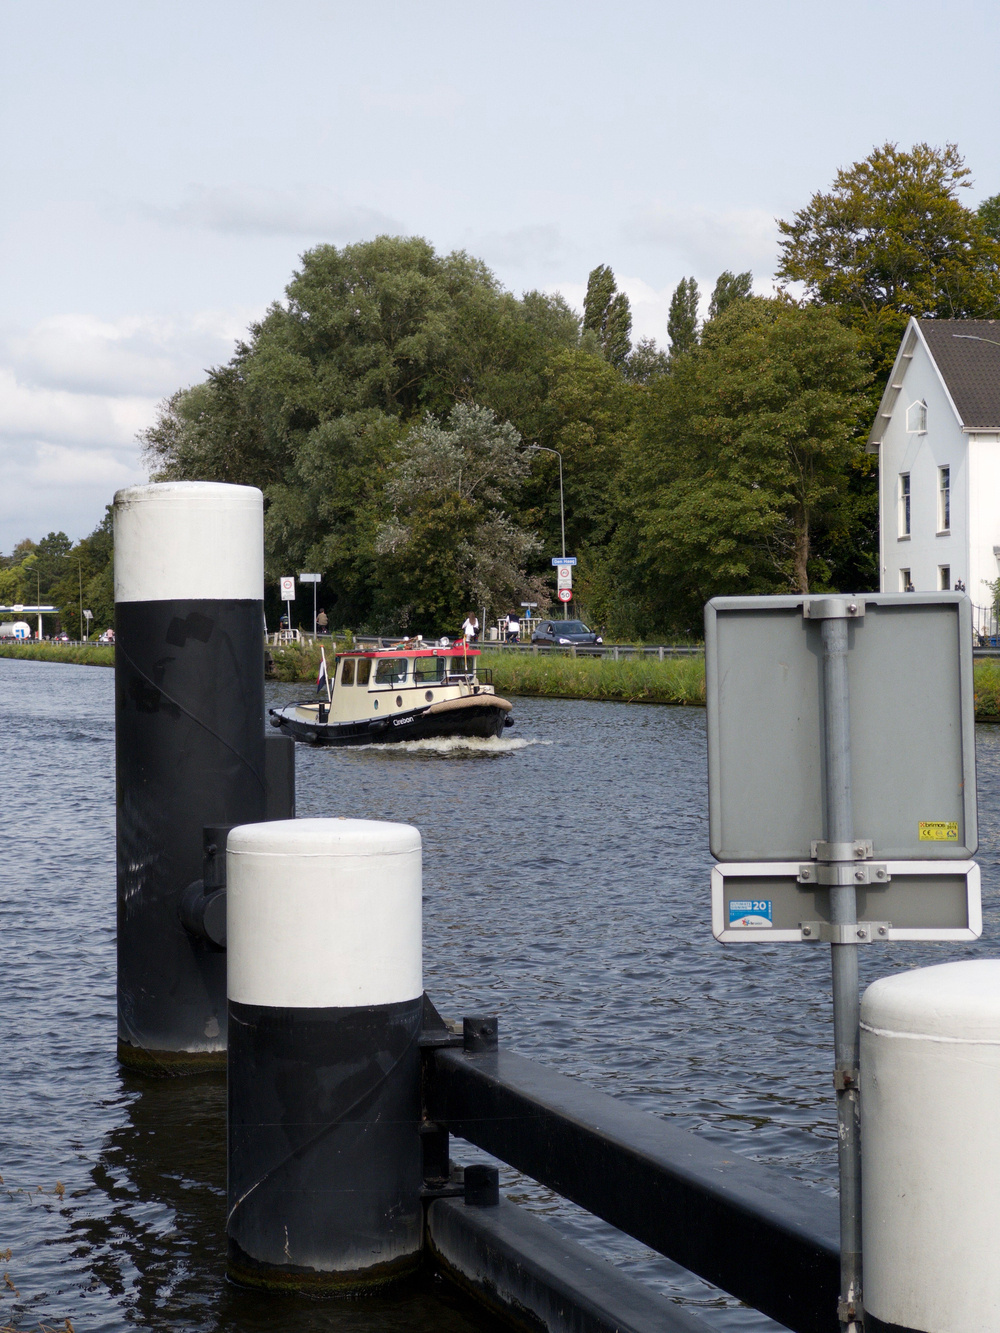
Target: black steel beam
(523,1270)
(767,1240)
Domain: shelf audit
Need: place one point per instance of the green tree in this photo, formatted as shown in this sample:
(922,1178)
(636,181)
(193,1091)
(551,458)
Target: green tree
(607,316)
(988,213)
(587,417)
(741,461)
(646,362)
(449,542)
(601,287)
(892,239)
(312,404)
(617,342)
(682,319)
(729,287)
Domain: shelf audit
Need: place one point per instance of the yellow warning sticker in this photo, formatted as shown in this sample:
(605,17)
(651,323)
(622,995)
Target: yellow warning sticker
(938,830)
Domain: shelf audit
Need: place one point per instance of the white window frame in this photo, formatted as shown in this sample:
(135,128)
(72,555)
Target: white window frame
(916,418)
(944,499)
(904,580)
(904,505)
(944,578)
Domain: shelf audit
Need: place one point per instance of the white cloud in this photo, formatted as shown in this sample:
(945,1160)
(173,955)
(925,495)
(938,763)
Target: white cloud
(134,354)
(706,241)
(74,392)
(255,210)
(520,247)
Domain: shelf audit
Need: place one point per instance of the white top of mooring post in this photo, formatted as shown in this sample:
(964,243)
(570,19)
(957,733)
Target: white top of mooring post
(958,1002)
(189,541)
(324,913)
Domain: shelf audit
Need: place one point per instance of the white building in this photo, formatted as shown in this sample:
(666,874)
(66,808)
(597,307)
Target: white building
(937,435)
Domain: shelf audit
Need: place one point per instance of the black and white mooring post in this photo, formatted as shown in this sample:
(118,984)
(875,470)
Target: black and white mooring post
(189,716)
(325,1006)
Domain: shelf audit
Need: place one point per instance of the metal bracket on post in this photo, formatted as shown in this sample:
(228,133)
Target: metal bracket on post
(833,608)
(823,932)
(868,872)
(859,850)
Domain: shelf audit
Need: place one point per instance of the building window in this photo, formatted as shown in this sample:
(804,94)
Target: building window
(944,499)
(916,419)
(944,578)
(905,584)
(904,504)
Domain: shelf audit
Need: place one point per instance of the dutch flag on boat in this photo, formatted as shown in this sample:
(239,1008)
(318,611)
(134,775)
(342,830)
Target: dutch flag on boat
(322,680)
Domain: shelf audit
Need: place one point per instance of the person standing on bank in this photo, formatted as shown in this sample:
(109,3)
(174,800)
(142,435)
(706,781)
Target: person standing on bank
(322,620)
(470,629)
(513,628)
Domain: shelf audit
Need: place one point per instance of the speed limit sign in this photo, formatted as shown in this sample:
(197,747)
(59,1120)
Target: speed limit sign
(288,588)
(565,594)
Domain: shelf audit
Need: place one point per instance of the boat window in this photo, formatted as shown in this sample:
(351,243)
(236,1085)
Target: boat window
(347,672)
(428,669)
(364,670)
(390,671)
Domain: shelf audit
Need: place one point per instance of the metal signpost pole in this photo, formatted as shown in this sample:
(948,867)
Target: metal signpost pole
(840,858)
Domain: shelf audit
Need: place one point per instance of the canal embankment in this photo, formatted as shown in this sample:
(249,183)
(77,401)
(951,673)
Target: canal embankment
(641,680)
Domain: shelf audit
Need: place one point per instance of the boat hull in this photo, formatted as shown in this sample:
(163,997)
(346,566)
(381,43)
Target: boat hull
(480,718)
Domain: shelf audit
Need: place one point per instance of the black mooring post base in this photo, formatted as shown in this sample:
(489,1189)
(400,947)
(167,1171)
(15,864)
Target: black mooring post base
(524,1271)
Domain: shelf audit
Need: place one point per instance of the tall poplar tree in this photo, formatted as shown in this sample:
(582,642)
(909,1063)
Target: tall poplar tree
(729,287)
(608,314)
(682,321)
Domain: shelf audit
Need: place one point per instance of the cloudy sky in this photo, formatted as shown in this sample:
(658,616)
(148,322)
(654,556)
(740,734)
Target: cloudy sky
(165,164)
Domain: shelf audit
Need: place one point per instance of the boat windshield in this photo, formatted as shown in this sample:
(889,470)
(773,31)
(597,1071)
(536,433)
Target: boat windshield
(390,671)
(364,670)
(427,669)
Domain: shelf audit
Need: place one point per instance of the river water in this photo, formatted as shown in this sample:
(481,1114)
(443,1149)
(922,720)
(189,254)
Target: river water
(566,888)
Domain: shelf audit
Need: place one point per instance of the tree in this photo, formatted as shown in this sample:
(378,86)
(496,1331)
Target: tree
(741,460)
(617,343)
(646,362)
(450,542)
(682,320)
(989,216)
(313,402)
(601,287)
(587,417)
(891,240)
(729,287)
(607,315)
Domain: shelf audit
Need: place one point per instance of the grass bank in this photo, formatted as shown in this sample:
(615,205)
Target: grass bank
(986,675)
(80,654)
(634,680)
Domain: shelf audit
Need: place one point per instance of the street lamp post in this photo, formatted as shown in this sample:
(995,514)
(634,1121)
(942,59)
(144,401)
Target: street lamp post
(542,449)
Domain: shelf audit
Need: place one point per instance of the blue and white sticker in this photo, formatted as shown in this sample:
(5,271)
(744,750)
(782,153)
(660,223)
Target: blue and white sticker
(750,912)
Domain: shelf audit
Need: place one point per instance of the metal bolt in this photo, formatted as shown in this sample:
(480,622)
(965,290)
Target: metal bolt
(852,607)
(806,930)
(882,930)
(862,934)
(859,875)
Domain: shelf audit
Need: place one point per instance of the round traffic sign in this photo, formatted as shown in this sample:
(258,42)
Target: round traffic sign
(565,594)
(287,589)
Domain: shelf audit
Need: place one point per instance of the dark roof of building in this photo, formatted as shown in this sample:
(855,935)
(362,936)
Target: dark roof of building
(967,352)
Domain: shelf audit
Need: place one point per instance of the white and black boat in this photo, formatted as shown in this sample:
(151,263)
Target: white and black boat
(404,693)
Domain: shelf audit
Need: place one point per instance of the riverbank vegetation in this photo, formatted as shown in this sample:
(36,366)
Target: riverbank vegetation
(80,654)
(389,406)
(412,424)
(678,680)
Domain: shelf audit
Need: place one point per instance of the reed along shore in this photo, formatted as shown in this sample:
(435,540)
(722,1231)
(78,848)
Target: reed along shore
(679,680)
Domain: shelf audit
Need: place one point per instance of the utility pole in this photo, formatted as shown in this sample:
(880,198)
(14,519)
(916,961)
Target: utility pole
(541,448)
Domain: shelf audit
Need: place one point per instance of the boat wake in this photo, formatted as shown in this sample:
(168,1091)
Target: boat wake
(458,746)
